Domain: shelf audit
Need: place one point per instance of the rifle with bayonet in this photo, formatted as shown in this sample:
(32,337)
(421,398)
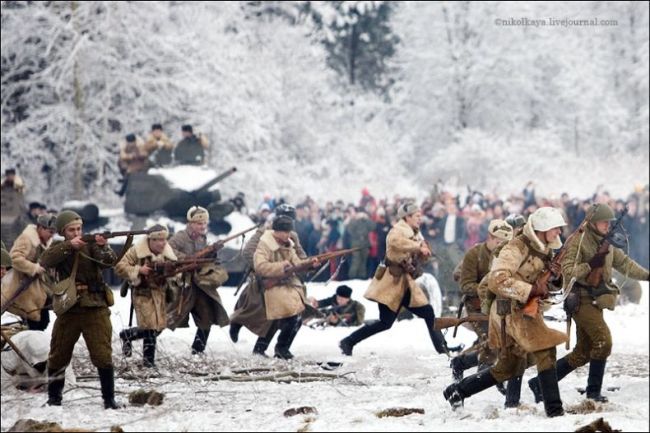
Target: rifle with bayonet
(291,270)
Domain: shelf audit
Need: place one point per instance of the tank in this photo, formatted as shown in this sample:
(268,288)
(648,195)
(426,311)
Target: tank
(172,191)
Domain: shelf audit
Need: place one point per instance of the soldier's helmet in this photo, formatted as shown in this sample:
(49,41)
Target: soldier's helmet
(546,218)
(601,212)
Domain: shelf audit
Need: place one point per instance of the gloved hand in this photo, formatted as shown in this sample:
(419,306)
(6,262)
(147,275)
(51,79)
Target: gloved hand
(597,261)
(539,291)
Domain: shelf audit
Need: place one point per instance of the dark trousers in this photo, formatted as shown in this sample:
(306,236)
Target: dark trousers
(40,325)
(387,317)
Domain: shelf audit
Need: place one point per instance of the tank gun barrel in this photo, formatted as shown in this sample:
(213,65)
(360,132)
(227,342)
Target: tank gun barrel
(216,179)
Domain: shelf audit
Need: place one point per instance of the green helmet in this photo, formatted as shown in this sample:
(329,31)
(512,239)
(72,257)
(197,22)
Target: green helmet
(601,212)
(6,258)
(64,218)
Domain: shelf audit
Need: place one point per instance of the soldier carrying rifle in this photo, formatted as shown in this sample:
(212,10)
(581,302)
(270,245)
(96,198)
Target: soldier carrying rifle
(590,259)
(140,267)
(339,309)
(394,286)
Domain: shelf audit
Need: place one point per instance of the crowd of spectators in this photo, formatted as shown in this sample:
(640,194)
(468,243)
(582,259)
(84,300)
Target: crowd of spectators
(452,223)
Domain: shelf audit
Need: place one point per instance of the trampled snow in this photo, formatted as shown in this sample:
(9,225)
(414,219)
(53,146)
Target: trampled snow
(397,368)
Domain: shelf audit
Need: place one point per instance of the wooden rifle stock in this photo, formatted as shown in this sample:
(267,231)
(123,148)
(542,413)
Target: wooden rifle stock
(216,246)
(270,282)
(450,322)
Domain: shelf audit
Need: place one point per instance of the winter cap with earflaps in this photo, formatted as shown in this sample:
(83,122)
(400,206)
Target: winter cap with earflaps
(158,232)
(47,221)
(500,229)
(286,210)
(198,214)
(546,218)
(282,224)
(407,209)
(66,218)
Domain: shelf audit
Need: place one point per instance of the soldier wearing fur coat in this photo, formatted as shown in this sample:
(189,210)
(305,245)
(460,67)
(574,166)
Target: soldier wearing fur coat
(527,340)
(197,293)
(394,286)
(25,252)
(147,295)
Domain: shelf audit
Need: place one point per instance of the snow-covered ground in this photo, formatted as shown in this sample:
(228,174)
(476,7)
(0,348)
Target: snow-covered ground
(397,368)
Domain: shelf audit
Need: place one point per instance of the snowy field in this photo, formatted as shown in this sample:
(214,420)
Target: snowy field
(398,368)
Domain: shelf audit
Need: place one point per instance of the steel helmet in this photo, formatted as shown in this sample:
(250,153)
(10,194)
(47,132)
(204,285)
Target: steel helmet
(546,218)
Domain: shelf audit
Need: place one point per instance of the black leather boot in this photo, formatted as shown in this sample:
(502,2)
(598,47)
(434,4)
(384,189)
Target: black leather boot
(56,382)
(461,363)
(595,380)
(260,347)
(200,340)
(551,393)
(149,349)
(513,391)
(562,369)
(234,331)
(368,330)
(127,336)
(456,393)
(107,382)
(288,330)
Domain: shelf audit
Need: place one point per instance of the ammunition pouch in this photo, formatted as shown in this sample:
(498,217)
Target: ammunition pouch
(110,298)
(603,296)
(504,307)
(395,269)
(380,271)
(142,291)
(472,303)
(124,288)
(572,303)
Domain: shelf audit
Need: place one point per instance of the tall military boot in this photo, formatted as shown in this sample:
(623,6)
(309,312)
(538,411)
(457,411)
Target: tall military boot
(348,343)
(456,393)
(288,331)
(461,363)
(595,380)
(107,382)
(149,349)
(200,340)
(127,336)
(234,331)
(562,367)
(513,391)
(551,393)
(260,347)
(55,384)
